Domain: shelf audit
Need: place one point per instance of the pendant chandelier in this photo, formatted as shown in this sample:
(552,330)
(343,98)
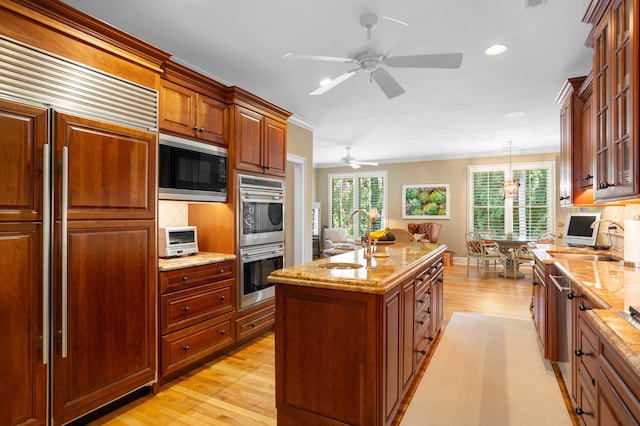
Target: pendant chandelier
(510,187)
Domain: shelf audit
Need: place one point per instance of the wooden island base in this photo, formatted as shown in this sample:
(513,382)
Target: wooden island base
(349,347)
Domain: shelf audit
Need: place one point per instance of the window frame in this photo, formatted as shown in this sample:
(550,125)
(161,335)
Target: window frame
(507,168)
(381,221)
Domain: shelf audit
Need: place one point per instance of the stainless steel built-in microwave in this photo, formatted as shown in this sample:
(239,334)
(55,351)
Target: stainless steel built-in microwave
(191,171)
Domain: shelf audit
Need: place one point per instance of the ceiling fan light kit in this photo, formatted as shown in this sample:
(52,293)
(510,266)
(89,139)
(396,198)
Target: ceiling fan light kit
(368,60)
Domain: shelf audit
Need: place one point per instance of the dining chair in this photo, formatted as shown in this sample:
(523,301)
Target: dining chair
(491,252)
(474,250)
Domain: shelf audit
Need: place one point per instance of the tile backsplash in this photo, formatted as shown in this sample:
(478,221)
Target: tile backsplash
(171,213)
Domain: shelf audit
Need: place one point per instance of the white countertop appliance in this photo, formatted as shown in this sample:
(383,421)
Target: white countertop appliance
(177,241)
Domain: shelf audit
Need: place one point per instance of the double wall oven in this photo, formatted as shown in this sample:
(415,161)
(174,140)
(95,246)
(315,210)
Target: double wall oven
(261,236)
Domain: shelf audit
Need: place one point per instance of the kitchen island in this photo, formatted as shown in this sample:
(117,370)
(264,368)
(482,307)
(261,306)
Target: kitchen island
(351,338)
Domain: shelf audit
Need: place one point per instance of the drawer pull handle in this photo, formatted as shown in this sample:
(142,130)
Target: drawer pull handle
(253,324)
(428,310)
(186,309)
(184,278)
(421,322)
(422,351)
(185,348)
(429,291)
(221,297)
(571,296)
(579,352)
(222,270)
(223,332)
(430,338)
(580,412)
(420,300)
(194,128)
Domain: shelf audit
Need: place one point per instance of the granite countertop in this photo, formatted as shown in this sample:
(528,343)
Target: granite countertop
(198,259)
(610,284)
(402,259)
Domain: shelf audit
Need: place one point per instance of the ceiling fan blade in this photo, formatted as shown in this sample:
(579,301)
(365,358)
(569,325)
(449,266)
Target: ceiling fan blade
(317,58)
(367,163)
(333,83)
(437,60)
(388,84)
(353,164)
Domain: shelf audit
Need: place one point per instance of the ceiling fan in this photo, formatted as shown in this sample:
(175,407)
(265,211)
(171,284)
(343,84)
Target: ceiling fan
(375,63)
(350,161)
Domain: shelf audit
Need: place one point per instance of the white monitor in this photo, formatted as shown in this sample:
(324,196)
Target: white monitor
(579,230)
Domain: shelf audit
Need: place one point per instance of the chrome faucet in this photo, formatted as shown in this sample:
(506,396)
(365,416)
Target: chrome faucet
(607,220)
(372,214)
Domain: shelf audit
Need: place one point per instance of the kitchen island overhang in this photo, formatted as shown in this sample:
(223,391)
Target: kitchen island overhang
(349,342)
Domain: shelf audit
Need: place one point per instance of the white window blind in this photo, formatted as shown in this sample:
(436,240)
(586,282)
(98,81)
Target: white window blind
(528,214)
(352,191)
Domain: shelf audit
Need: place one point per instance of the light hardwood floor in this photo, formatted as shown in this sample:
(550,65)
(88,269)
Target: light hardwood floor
(239,388)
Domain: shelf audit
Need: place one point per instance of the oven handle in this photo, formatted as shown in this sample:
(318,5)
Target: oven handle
(262,253)
(557,284)
(251,195)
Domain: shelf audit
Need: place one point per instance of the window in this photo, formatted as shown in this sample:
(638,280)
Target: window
(527,215)
(351,191)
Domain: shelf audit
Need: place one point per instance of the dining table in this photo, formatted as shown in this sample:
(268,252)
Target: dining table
(508,245)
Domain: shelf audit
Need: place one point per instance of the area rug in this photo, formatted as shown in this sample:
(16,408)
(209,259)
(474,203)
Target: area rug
(487,371)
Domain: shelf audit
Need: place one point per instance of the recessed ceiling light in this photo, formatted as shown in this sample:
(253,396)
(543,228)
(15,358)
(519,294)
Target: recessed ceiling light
(514,115)
(325,82)
(496,49)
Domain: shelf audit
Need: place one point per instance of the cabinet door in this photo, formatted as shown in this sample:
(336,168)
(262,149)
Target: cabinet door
(601,90)
(23,388)
(392,347)
(110,333)
(408,326)
(211,120)
(275,147)
(177,109)
(24,133)
(111,170)
(584,179)
(248,140)
(566,154)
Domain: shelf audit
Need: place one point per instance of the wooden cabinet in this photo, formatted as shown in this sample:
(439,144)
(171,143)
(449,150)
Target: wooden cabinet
(103,287)
(22,362)
(583,164)
(571,138)
(607,385)
(545,308)
(196,315)
(252,322)
(260,143)
(615,98)
(259,135)
(345,357)
(192,114)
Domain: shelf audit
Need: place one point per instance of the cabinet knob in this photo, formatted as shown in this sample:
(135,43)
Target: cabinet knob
(579,352)
(604,185)
(429,310)
(421,322)
(186,309)
(253,324)
(441,278)
(222,332)
(571,296)
(587,177)
(194,128)
(221,271)
(421,301)
(534,282)
(221,297)
(185,348)
(428,291)
(430,338)
(582,308)
(201,130)
(184,278)
(422,351)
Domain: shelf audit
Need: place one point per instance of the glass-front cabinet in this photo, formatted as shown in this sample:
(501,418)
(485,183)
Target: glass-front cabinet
(614,65)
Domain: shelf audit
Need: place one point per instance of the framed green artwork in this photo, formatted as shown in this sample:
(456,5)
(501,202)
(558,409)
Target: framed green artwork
(426,201)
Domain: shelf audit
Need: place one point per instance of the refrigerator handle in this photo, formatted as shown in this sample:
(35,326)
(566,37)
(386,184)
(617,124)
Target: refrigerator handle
(46,247)
(63,257)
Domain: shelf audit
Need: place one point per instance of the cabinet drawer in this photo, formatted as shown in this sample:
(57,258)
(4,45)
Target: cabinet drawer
(423,300)
(188,307)
(183,347)
(621,380)
(587,362)
(197,275)
(255,322)
(423,344)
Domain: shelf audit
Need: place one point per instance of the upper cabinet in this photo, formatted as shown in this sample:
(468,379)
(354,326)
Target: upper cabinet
(259,135)
(192,105)
(576,153)
(615,64)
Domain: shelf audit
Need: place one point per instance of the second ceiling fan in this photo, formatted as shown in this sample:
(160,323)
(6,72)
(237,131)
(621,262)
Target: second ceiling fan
(374,63)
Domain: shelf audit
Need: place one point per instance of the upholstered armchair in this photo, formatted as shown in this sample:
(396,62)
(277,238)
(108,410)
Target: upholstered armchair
(336,239)
(427,232)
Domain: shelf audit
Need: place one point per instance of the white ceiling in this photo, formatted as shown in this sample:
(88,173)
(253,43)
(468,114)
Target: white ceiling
(445,113)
